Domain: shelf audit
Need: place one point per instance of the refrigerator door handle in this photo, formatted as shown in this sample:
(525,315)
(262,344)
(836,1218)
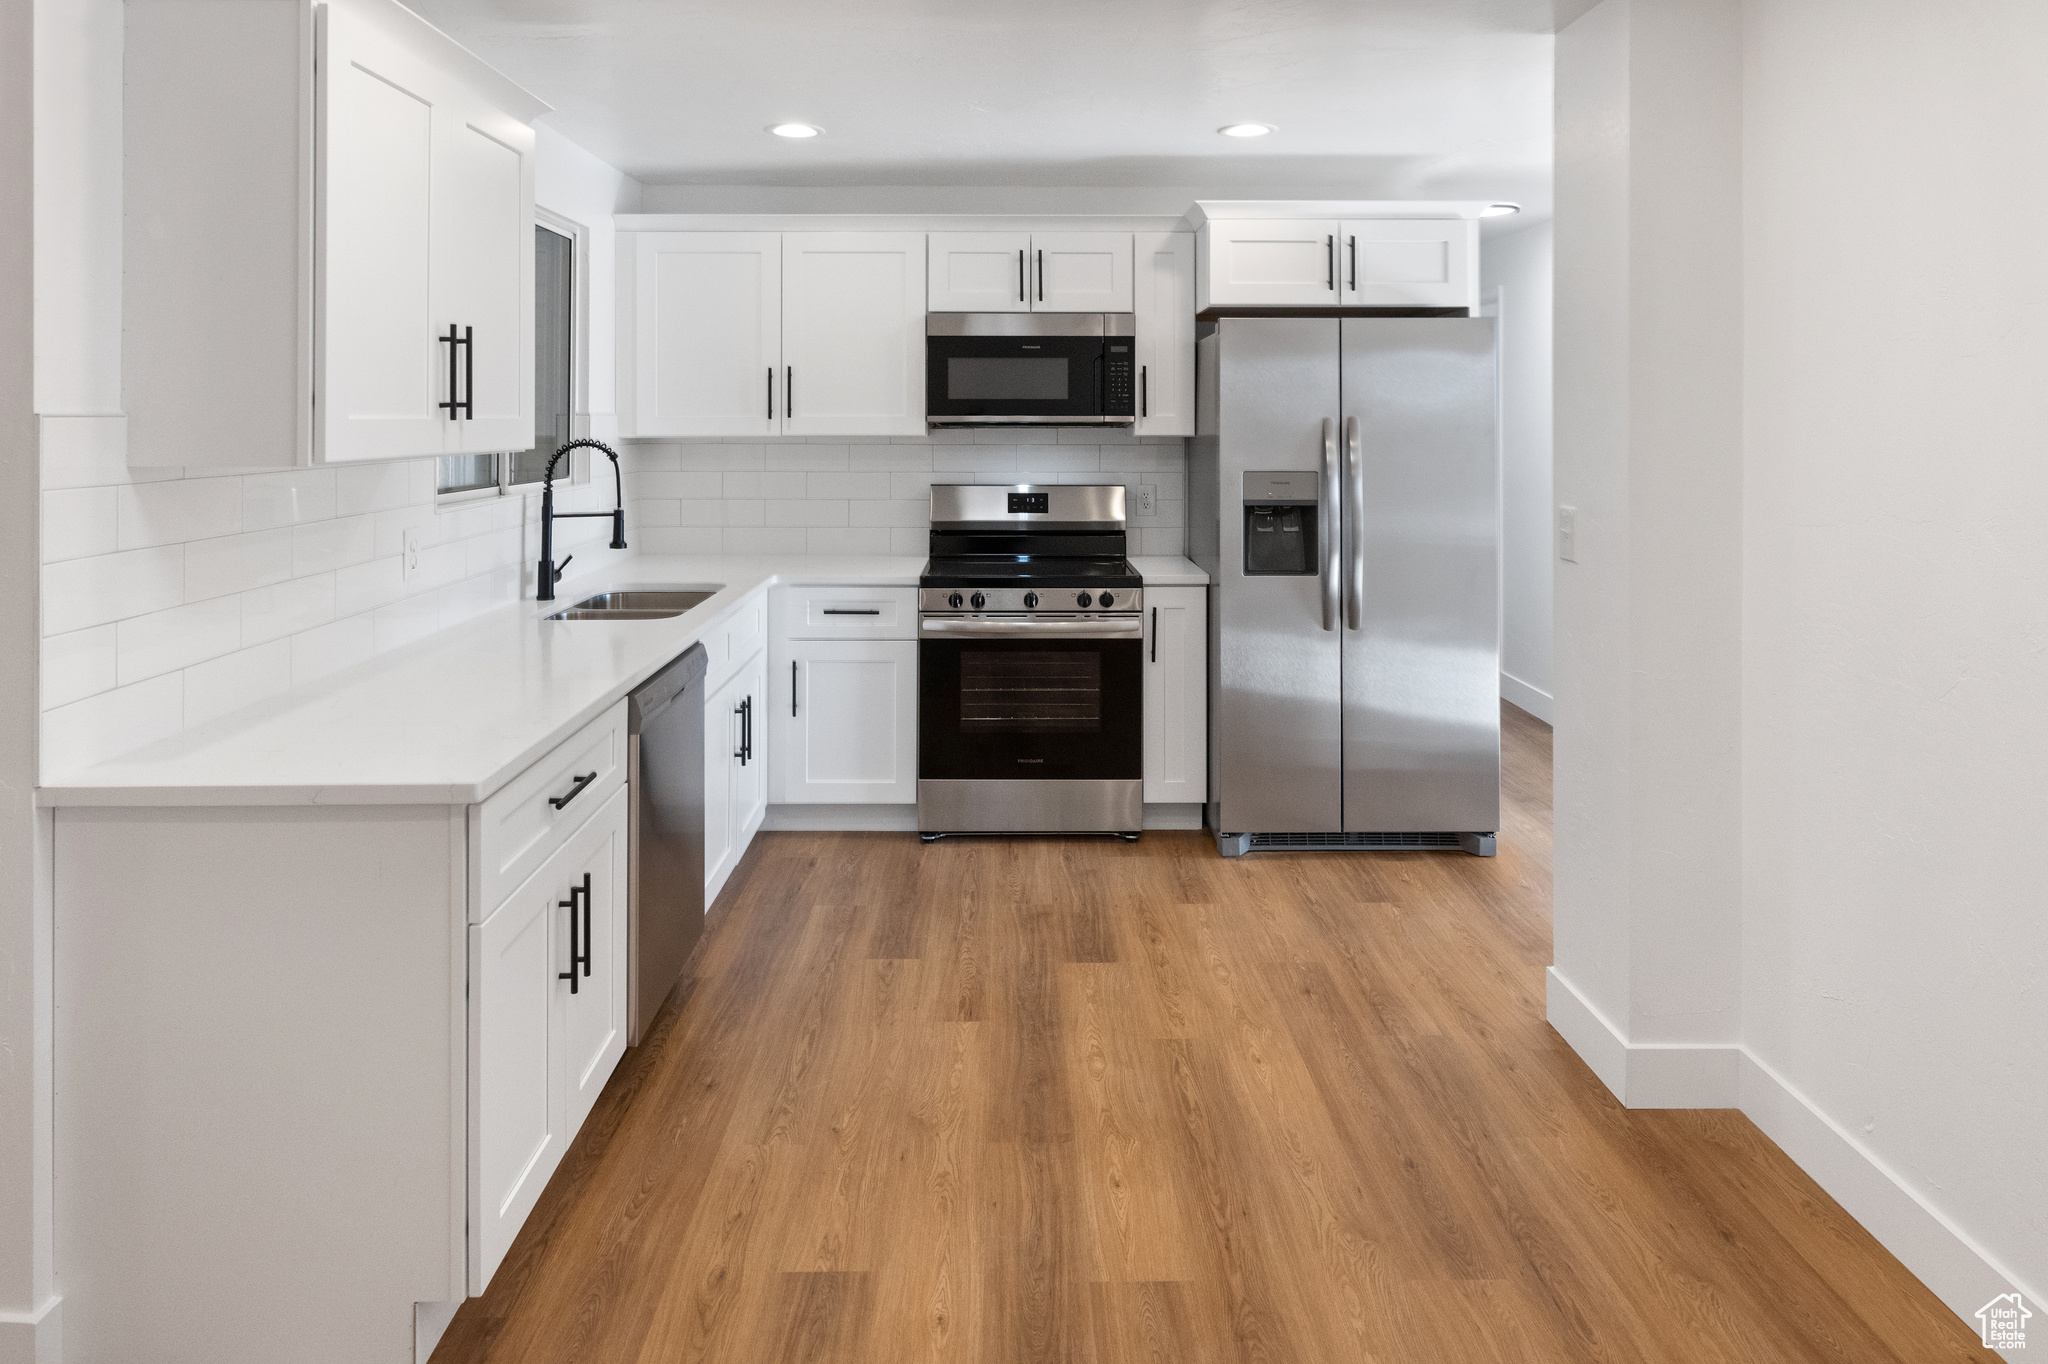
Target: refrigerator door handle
(1354,526)
(1332,546)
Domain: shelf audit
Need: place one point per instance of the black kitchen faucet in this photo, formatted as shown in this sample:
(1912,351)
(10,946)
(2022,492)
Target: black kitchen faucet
(550,571)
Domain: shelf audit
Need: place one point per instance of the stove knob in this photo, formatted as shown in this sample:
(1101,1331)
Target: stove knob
(1084,600)
(978,601)
(954,601)
(1104,600)
(1030,600)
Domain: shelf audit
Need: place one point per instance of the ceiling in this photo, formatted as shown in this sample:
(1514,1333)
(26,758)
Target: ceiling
(1372,98)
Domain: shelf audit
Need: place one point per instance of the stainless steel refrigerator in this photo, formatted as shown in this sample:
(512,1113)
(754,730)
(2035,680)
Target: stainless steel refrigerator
(1344,497)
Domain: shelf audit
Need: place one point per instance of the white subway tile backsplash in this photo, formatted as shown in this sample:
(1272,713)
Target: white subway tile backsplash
(496,549)
(889,457)
(332,647)
(236,563)
(275,612)
(765,540)
(326,545)
(113,722)
(78,522)
(806,513)
(760,484)
(687,540)
(373,487)
(869,484)
(107,587)
(745,512)
(77,664)
(906,487)
(287,499)
(364,587)
(694,483)
(224,684)
(905,540)
(805,458)
(164,641)
(847,540)
(149,514)
(904,513)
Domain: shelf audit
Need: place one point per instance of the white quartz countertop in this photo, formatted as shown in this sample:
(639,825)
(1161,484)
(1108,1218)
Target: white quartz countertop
(450,719)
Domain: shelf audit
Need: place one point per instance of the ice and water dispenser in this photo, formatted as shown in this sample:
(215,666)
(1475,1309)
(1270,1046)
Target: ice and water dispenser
(1280,524)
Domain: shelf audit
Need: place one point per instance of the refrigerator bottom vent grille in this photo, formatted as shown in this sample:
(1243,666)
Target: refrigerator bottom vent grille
(1410,841)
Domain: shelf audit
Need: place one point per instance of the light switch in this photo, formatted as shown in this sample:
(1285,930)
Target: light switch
(1568,534)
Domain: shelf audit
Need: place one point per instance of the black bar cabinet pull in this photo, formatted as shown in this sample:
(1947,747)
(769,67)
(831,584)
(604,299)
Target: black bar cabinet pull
(1144,393)
(788,390)
(850,611)
(588,777)
(771,393)
(741,711)
(469,372)
(575,938)
(586,923)
(1041,277)
(1155,634)
(452,340)
(792,687)
(1354,264)
(747,731)
(1020,274)
(1330,253)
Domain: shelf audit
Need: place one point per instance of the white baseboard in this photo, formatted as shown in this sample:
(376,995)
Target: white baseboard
(903,818)
(1532,699)
(33,1337)
(1928,1243)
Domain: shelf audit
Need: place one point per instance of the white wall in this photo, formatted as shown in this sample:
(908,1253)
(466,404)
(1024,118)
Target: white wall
(1800,407)
(871,495)
(1895,966)
(1515,272)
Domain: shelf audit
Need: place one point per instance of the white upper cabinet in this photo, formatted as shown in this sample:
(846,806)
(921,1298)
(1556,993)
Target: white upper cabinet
(1017,272)
(979,272)
(353,252)
(1081,272)
(1289,263)
(1332,262)
(853,333)
(707,334)
(1410,263)
(1165,307)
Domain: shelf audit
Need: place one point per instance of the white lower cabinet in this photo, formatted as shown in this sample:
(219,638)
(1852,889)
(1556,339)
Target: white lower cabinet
(846,725)
(547,1005)
(735,771)
(1176,695)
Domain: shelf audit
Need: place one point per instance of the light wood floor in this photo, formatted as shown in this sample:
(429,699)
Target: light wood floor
(1072,1100)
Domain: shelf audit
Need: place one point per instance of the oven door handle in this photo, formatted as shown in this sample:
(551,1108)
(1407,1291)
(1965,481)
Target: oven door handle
(1132,627)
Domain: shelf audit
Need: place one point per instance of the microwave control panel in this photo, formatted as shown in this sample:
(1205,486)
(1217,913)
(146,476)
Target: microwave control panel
(1119,380)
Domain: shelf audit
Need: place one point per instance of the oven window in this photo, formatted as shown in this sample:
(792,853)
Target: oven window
(1030,693)
(1002,378)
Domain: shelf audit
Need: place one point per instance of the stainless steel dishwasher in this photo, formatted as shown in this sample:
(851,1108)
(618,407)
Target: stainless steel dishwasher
(665,879)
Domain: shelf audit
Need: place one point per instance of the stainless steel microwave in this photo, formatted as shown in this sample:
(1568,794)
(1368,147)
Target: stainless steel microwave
(1030,369)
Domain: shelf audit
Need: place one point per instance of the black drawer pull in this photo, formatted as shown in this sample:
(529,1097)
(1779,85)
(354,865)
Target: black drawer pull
(864,611)
(579,942)
(559,801)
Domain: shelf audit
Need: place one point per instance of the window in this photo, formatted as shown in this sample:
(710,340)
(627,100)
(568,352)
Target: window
(554,383)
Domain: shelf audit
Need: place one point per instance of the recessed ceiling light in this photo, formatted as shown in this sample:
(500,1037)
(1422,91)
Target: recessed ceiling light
(1499,210)
(794,130)
(1245,129)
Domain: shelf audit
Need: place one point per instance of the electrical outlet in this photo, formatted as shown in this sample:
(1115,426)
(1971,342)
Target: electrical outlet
(409,555)
(1568,534)
(1147,499)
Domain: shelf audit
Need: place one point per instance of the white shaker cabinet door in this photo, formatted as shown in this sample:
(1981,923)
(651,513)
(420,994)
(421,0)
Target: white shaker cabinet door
(853,736)
(1165,307)
(750,775)
(1411,263)
(483,271)
(518,1121)
(1176,695)
(853,333)
(380,377)
(594,1019)
(707,334)
(1081,272)
(978,272)
(722,719)
(1269,262)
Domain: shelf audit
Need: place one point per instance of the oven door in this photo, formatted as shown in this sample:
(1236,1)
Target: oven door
(1003,701)
(972,380)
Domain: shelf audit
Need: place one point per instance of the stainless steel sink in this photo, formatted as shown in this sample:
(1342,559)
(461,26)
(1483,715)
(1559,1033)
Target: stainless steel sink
(638,603)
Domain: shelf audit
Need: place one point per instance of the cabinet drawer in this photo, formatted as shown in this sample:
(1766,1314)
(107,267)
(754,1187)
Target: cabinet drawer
(518,828)
(848,612)
(733,643)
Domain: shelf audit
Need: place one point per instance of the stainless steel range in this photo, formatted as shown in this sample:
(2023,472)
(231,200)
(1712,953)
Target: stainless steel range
(1030,643)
